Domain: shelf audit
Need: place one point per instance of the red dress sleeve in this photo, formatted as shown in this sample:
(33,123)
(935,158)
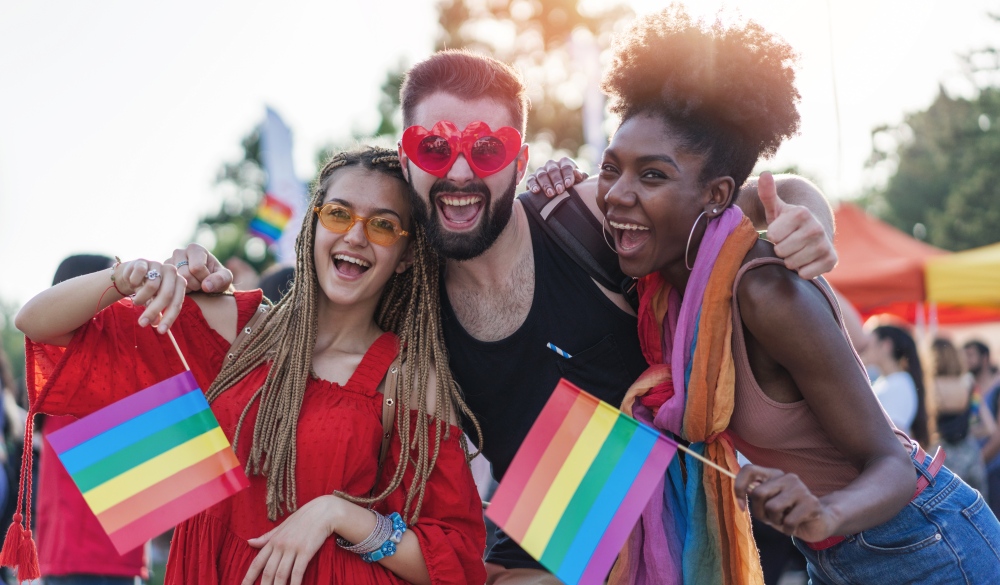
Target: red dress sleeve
(450,528)
(111,357)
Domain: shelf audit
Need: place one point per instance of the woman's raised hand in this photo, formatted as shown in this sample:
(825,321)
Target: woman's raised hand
(155,286)
(783,502)
(553,178)
(202,270)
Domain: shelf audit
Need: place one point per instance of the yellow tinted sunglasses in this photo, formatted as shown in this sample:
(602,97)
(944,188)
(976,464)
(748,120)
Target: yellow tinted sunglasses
(380,230)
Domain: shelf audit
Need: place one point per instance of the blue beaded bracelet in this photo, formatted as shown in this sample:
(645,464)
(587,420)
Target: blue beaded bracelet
(388,547)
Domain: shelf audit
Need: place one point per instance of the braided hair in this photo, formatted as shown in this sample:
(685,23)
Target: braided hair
(286,337)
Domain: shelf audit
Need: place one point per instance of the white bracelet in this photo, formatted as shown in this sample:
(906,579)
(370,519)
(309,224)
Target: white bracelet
(379,534)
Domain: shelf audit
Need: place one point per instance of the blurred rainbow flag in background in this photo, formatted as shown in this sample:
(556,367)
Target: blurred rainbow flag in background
(285,195)
(271,219)
(579,482)
(150,461)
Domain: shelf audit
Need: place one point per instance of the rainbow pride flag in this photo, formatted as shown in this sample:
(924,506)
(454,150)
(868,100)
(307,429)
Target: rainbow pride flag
(271,219)
(150,461)
(577,485)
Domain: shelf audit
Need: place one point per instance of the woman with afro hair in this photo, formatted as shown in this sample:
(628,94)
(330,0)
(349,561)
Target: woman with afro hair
(745,355)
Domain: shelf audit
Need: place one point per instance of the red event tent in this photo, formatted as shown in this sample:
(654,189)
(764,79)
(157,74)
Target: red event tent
(881,270)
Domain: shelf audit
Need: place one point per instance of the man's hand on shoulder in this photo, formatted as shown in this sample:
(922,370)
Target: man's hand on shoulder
(798,234)
(554,177)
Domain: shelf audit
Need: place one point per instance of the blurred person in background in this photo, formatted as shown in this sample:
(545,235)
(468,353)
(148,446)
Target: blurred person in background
(6,389)
(73,548)
(276,281)
(900,387)
(9,477)
(953,394)
(987,375)
(987,385)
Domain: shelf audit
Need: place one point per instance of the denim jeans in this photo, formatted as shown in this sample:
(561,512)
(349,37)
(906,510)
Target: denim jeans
(90,580)
(947,534)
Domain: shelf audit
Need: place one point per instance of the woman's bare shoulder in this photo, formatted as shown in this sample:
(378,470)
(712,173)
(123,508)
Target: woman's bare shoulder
(220,313)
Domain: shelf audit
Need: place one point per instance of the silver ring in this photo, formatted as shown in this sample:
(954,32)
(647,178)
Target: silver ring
(152,275)
(182,263)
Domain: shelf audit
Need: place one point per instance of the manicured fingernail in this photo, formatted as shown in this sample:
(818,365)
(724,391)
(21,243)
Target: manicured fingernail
(550,192)
(534,188)
(143,322)
(208,287)
(559,188)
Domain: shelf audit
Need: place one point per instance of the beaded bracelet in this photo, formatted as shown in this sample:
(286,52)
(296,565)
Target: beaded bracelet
(388,548)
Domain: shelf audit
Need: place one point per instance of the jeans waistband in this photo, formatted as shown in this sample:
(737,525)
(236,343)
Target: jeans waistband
(926,471)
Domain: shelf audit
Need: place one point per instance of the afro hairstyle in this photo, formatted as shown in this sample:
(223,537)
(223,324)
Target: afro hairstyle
(727,91)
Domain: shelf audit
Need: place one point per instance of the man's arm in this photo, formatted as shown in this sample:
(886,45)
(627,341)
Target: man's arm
(793,190)
(801,231)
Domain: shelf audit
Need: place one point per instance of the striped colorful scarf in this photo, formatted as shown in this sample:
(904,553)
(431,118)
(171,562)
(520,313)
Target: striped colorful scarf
(694,533)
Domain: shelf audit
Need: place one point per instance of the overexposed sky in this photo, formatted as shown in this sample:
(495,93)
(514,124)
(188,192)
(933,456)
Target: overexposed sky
(115,116)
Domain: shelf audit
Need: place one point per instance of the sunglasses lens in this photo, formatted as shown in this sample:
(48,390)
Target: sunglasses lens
(433,153)
(335,218)
(488,153)
(382,231)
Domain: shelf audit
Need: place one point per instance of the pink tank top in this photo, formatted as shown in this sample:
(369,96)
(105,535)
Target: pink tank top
(786,436)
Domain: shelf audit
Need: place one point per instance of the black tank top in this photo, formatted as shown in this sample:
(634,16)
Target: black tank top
(507,382)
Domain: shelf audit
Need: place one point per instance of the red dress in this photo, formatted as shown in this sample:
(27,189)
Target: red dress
(70,539)
(339,434)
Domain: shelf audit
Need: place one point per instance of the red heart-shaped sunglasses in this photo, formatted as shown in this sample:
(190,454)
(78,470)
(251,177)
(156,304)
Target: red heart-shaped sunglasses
(486,151)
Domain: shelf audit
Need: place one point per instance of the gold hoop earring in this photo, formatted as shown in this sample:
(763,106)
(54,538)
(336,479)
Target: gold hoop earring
(691,235)
(604,234)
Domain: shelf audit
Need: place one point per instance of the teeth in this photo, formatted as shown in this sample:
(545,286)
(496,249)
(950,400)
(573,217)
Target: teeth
(460,201)
(627,226)
(352,259)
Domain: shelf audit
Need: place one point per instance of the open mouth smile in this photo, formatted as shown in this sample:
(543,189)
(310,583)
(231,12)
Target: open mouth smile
(350,267)
(629,236)
(459,211)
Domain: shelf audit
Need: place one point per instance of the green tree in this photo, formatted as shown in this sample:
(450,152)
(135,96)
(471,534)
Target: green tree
(390,118)
(946,176)
(944,181)
(242,185)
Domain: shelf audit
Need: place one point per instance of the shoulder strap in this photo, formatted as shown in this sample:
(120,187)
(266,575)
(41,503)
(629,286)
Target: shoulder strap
(244,333)
(573,226)
(388,415)
(819,282)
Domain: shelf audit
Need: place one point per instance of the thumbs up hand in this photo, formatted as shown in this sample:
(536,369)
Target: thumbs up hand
(798,237)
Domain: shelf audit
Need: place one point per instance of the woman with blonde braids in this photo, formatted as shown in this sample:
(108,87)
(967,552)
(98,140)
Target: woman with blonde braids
(301,400)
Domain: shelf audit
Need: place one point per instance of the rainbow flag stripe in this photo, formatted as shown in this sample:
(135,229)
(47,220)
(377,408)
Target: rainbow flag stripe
(577,485)
(150,461)
(271,219)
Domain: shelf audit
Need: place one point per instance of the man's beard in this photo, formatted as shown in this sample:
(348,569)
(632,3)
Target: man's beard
(469,245)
